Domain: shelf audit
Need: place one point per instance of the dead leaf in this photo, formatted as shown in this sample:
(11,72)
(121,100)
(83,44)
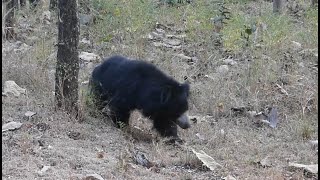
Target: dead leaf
(206,160)
(273,117)
(282,90)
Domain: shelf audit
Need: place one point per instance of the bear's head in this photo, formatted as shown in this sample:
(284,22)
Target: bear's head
(175,100)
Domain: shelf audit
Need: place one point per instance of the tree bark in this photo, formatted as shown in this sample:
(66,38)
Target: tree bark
(67,68)
(9,19)
(277,6)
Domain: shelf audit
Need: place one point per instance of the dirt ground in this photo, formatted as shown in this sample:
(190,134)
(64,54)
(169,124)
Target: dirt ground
(54,145)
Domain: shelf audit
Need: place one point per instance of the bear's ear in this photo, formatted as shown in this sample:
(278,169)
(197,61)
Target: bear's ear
(166,93)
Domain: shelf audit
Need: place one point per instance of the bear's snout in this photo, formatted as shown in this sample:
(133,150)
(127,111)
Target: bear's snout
(183,121)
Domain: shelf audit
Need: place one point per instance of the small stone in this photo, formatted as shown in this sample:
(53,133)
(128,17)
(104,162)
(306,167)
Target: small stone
(229,61)
(296,45)
(222,132)
(172,42)
(46,15)
(93,177)
(74,135)
(85,41)
(30,113)
(223,69)
(42,127)
(265,162)
(229,177)
(200,136)
(161,31)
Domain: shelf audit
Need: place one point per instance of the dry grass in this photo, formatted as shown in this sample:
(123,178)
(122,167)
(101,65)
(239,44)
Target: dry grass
(121,28)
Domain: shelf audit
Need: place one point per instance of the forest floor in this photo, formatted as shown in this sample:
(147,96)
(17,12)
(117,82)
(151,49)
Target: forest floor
(232,78)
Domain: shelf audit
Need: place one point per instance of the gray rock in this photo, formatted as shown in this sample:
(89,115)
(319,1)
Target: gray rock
(93,177)
(10,87)
(11,126)
(89,57)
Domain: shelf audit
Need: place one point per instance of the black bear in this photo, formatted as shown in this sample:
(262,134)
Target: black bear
(125,85)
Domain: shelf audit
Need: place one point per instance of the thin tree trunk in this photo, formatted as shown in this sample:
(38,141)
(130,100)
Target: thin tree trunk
(9,19)
(17,4)
(277,6)
(67,68)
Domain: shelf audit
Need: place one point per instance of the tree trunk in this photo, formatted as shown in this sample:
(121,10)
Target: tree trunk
(53,4)
(9,19)
(276,6)
(67,68)
(17,4)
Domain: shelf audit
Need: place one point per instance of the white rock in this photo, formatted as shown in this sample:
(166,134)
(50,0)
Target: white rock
(301,64)
(161,31)
(296,45)
(85,41)
(29,113)
(229,177)
(200,136)
(11,126)
(229,61)
(84,82)
(93,177)
(172,42)
(222,132)
(43,170)
(223,69)
(314,143)
(10,87)
(89,57)
(46,15)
